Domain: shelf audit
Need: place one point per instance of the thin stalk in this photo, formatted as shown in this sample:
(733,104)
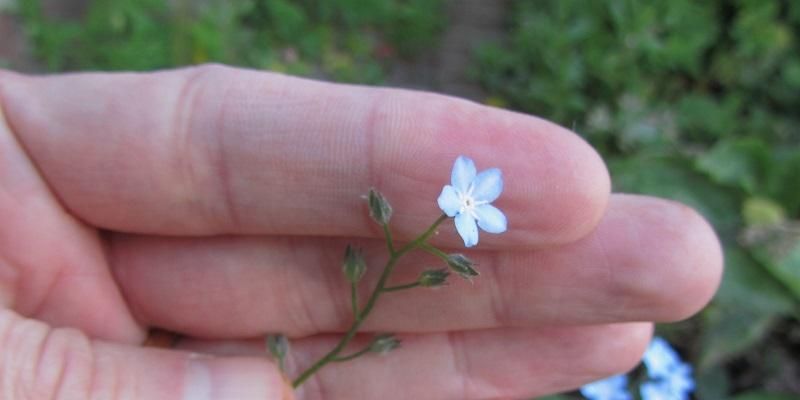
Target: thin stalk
(352,356)
(389,242)
(436,252)
(401,287)
(354,298)
(373,298)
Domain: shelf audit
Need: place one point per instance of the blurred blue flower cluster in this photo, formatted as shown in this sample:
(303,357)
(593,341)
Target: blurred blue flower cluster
(668,378)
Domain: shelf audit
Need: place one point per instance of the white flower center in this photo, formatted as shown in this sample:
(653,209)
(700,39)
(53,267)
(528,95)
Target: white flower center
(469,204)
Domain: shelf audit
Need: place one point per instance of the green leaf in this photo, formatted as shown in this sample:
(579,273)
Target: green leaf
(673,178)
(747,285)
(781,256)
(729,332)
(782,181)
(760,211)
(289,20)
(748,302)
(755,395)
(702,116)
(712,384)
(739,163)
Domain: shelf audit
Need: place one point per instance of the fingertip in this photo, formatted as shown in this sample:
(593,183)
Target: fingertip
(555,185)
(701,274)
(627,343)
(632,340)
(568,192)
(680,267)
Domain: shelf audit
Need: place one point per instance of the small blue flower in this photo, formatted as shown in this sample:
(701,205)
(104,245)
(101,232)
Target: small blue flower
(612,388)
(467,199)
(660,358)
(671,378)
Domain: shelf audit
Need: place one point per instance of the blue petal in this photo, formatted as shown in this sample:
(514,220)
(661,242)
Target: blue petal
(680,380)
(612,388)
(448,201)
(488,185)
(491,219)
(466,227)
(656,390)
(660,358)
(463,173)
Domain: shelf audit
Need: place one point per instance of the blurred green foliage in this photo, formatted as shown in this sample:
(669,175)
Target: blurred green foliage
(698,102)
(344,40)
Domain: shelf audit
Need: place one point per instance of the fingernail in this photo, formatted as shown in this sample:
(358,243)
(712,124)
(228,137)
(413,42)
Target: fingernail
(197,385)
(234,379)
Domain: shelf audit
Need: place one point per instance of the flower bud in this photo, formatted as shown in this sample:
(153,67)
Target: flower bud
(433,277)
(278,346)
(379,208)
(462,265)
(354,265)
(384,343)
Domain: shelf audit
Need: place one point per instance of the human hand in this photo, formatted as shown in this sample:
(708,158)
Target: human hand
(216,203)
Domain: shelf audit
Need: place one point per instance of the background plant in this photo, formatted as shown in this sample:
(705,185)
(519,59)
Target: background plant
(698,102)
(344,40)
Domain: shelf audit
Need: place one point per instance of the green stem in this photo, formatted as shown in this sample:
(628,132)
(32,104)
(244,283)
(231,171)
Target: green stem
(421,239)
(354,298)
(352,356)
(389,242)
(433,250)
(373,298)
(401,287)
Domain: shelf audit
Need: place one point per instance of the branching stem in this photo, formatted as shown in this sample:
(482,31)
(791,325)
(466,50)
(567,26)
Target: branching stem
(380,288)
(357,354)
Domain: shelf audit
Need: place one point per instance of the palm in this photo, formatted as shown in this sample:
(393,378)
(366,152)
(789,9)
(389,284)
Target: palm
(217,203)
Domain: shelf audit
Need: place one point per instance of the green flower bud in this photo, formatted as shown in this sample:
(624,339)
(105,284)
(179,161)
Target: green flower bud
(379,208)
(384,343)
(354,265)
(278,346)
(462,265)
(433,277)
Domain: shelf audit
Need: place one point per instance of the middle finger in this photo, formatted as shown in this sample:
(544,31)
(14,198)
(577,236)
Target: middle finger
(649,259)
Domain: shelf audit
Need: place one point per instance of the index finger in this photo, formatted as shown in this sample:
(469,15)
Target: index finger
(212,150)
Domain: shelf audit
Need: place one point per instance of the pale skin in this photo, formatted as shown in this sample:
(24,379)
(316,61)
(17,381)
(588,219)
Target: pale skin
(216,202)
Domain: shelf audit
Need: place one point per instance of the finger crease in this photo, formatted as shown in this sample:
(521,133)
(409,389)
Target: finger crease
(498,299)
(222,162)
(459,361)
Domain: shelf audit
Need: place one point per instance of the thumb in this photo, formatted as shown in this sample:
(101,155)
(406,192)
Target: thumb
(38,362)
